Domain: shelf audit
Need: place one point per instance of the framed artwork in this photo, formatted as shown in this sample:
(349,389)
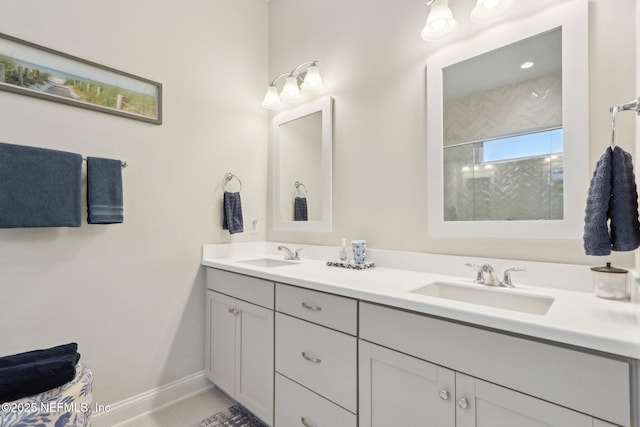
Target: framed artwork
(29,69)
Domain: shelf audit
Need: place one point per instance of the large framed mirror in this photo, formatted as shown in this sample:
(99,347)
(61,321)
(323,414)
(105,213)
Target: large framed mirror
(507,129)
(302,152)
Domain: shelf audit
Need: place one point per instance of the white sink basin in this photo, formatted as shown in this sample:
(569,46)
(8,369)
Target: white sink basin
(267,262)
(508,299)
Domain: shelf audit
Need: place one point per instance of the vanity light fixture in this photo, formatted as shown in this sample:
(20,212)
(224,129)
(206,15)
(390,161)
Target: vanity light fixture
(440,20)
(307,80)
(486,10)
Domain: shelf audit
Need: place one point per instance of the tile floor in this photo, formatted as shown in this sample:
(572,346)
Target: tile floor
(184,413)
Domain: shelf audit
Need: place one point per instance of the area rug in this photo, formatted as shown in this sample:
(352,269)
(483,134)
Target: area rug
(235,416)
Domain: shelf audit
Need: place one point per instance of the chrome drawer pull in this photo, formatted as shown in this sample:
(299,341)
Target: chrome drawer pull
(311,307)
(444,394)
(311,359)
(233,311)
(305,423)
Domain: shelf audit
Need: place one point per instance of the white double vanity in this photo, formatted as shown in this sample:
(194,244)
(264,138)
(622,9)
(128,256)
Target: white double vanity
(304,344)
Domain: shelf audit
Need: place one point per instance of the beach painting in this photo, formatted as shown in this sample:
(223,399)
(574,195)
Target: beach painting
(34,70)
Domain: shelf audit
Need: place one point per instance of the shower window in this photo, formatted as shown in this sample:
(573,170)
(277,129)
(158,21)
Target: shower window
(511,178)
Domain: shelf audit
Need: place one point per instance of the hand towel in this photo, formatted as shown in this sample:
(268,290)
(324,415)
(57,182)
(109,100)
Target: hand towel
(300,209)
(39,187)
(611,215)
(69,350)
(597,240)
(104,191)
(34,372)
(623,209)
(232,213)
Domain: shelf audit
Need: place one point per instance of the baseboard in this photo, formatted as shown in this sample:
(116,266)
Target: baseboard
(156,398)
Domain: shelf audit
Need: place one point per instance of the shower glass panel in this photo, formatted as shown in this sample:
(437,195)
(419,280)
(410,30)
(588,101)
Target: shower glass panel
(513,178)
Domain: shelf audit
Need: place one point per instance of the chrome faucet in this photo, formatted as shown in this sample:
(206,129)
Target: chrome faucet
(289,254)
(506,279)
(486,275)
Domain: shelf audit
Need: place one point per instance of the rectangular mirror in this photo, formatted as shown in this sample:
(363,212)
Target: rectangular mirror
(302,150)
(502,133)
(507,120)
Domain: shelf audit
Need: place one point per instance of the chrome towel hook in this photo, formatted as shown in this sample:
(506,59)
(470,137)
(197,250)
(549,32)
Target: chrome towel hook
(630,106)
(228,177)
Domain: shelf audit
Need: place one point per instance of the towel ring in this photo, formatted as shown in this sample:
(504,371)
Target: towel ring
(298,191)
(229,177)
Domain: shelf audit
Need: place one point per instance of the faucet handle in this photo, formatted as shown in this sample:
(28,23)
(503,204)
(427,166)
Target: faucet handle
(506,280)
(479,277)
(296,255)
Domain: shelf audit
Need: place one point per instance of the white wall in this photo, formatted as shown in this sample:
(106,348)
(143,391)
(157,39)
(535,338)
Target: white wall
(373,62)
(131,295)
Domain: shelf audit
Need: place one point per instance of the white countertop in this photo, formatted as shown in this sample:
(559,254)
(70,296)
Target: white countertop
(575,317)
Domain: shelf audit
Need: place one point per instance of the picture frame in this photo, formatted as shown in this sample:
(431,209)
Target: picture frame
(33,70)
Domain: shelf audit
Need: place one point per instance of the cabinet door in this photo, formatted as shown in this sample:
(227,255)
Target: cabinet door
(399,390)
(254,366)
(221,341)
(482,404)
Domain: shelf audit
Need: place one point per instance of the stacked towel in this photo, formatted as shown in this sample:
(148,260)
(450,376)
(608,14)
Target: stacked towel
(104,191)
(39,187)
(232,213)
(300,209)
(612,202)
(33,372)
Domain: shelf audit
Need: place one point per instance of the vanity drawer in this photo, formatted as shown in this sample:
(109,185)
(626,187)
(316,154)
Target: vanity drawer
(319,358)
(329,310)
(250,289)
(295,403)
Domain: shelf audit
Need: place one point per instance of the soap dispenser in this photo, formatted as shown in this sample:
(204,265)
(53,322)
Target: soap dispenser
(343,250)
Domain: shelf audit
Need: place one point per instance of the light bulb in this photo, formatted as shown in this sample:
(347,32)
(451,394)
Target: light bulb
(312,81)
(271,99)
(439,23)
(290,91)
(487,10)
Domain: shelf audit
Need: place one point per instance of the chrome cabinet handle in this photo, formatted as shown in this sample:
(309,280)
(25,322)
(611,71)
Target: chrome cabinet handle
(233,311)
(311,307)
(304,422)
(311,359)
(444,394)
(463,403)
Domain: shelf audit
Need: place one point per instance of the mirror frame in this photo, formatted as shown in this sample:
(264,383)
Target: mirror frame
(325,106)
(573,19)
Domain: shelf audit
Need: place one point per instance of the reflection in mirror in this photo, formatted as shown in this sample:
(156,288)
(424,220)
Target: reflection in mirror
(502,124)
(507,129)
(302,142)
(300,168)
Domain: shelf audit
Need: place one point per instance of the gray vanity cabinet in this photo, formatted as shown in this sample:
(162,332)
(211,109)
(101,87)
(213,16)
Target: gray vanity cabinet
(239,339)
(316,359)
(396,389)
(419,370)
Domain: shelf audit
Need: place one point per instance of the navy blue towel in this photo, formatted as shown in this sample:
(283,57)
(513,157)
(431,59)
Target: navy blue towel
(300,209)
(30,373)
(232,213)
(611,214)
(104,191)
(39,187)
(623,209)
